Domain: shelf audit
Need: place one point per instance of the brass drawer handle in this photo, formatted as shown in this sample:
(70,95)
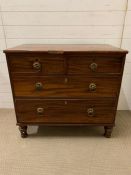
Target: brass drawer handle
(90,112)
(93,66)
(65,102)
(66,80)
(40,111)
(39,86)
(37,65)
(92,86)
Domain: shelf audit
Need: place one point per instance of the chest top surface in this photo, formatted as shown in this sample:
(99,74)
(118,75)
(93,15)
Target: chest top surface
(95,48)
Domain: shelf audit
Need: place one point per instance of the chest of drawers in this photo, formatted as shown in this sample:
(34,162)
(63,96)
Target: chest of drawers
(65,84)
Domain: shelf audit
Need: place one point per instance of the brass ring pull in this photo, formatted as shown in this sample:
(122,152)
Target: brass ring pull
(93,66)
(90,112)
(39,86)
(92,86)
(40,110)
(37,65)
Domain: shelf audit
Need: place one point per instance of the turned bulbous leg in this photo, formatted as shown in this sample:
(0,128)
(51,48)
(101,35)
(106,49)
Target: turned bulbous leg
(23,131)
(108,131)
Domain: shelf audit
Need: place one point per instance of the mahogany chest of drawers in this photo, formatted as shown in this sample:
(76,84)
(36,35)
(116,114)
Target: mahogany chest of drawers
(65,84)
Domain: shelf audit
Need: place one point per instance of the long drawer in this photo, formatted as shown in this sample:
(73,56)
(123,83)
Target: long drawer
(53,64)
(70,86)
(65,111)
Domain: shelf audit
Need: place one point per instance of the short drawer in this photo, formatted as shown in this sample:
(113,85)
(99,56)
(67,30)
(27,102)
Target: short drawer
(65,111)
(71,86)
(92,65)
(36,64)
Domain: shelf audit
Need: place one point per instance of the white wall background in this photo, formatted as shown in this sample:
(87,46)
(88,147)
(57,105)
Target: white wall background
(65,21)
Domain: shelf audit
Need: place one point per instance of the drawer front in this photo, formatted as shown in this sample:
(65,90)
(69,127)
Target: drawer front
(71,86)
(65,111)
(94,65)
(59,64)
(42,64)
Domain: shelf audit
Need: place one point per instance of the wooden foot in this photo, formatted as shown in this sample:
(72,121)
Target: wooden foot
(108,131)
(23,131)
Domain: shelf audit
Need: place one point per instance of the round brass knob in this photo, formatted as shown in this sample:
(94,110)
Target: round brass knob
(66,80)
(39,86)
(92,86)
(90,112)
(37,65)
(93,66)
(65,102)
(40,110)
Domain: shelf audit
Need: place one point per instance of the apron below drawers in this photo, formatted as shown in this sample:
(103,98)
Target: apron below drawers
(65,111)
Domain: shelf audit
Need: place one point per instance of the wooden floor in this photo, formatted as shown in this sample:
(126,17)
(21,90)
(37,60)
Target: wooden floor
(65,151)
